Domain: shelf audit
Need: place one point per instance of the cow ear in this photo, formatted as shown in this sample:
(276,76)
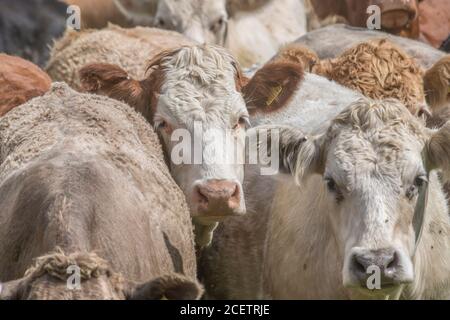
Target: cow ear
(297,154)
(437,83)
(114,82)
(437,150)
(272,87)
(171,287)
(299,54)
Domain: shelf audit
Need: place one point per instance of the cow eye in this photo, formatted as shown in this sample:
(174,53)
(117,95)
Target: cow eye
(161,125)
(160,23)
(217,25)
(331,184)
(419,181)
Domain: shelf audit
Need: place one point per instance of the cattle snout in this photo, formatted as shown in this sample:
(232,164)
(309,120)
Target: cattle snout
(391,265)
(398,14)
(218,198)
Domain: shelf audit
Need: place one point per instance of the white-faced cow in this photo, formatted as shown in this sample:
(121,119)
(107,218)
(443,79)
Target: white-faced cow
(199,90)
(354,206)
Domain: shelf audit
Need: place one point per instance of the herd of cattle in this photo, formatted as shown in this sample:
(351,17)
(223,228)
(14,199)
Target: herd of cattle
(88,183)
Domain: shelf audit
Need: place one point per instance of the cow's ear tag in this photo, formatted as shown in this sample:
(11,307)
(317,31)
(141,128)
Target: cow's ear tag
(274,94)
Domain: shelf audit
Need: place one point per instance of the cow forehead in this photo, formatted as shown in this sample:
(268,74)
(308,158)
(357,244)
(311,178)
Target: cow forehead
(389,154)
(200,80)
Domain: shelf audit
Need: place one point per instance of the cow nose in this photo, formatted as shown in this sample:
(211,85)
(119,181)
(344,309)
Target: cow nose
(365,263)
(397,14)
(218,197)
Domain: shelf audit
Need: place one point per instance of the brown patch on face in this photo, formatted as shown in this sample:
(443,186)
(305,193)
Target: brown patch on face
(20,81)
(273,86)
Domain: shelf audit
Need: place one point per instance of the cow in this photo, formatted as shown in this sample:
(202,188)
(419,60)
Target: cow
(128,48)
(352,200)
(85,193)
(399,17)
(323,42)
(29,27)
(379,69)
(198,88)
(20,81)
(434,18)
(252,30)
(99,13)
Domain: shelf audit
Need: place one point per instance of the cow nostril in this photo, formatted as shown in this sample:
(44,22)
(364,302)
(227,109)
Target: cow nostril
(359,265)
(235,193)
(393,261)
(201,196)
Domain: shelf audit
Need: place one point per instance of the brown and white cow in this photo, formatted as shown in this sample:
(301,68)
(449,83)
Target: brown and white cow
(196,88)
(84,190)
(20,81)
(379,69)
(400,17)
(349,206)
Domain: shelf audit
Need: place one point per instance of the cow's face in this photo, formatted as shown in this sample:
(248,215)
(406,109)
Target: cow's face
(203,21)
(198,101)
(202,117)
(372,164)
(397,16)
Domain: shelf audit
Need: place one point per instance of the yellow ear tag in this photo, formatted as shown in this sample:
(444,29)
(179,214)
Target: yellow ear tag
(274,94)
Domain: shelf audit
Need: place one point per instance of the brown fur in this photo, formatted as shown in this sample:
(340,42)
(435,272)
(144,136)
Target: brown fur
(437,83)
(20,81)
(378,69)
(355,13)
(259,91)
(114,82)
(130,49)
(86,173)
(96,14)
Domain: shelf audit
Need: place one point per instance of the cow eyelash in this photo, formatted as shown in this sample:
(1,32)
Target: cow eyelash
(420,180)
(413,190)
(333,188)
(161,125)
(331,184)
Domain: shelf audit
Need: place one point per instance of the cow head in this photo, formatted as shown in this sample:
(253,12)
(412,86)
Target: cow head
(379,69)
(397,16)
(205,21)
(54,277)
(199,95)
(374,159)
